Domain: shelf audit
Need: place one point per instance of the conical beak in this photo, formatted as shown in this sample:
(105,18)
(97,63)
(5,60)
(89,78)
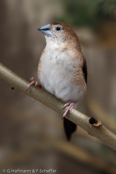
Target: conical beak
(45,30)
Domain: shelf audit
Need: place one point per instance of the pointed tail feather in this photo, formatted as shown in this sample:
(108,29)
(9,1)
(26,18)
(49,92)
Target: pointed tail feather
(69,128)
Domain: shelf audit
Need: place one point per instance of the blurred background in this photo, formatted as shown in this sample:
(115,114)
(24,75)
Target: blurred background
(31,134)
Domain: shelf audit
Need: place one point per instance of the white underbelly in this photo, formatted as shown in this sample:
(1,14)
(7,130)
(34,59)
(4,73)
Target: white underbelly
(56,81)
(55,77)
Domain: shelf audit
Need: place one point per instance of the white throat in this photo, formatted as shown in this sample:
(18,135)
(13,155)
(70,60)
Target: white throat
(53,42)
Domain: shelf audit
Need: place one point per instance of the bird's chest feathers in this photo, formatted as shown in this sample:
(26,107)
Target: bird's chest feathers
(56,70)
(56,64)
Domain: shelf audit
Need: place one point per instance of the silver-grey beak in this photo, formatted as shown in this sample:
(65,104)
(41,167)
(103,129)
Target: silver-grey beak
(45,30)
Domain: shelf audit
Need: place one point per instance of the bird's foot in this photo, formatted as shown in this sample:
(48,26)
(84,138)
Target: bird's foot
(69,108)
(33,82)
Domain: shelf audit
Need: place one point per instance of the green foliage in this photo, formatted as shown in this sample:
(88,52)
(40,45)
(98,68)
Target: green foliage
(88,12)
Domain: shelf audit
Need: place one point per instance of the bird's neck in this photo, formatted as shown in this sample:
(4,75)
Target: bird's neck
(65,51)
(63,46)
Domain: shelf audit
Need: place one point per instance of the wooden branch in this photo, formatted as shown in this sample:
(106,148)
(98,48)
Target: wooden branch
(101,132)
(98,111)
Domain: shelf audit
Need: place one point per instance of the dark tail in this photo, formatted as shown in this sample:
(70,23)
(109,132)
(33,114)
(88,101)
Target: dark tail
(69,128)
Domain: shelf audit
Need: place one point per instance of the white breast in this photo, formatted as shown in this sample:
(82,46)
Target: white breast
(56,68)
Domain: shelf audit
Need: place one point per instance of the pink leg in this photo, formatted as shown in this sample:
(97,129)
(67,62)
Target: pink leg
(67,104)
(37,84)
(30,84)
(33,82)
(70,107)
(32,79)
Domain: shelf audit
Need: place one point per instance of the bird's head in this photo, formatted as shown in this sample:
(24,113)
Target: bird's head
(59,33)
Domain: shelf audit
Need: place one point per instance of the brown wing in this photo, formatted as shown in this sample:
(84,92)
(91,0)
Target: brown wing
(69,126)
(84,68)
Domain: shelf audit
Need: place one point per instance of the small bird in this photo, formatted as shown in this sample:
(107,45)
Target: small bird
(62,68)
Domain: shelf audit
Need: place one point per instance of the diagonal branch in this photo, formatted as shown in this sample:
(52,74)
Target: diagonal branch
(101,132)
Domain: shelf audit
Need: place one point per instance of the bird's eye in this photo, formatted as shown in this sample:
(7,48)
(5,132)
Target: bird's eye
(58,28)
